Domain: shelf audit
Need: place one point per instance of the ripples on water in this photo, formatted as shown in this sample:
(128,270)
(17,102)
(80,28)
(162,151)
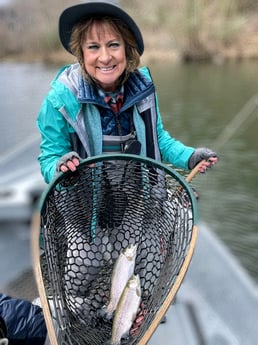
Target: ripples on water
(230,204)
(197,102)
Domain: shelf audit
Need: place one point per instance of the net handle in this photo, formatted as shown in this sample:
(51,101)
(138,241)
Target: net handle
(178,282)
(194,172)
(172,293)
(35,249)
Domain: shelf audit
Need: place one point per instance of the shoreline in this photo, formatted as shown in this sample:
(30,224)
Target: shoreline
(172,32)
(61,57)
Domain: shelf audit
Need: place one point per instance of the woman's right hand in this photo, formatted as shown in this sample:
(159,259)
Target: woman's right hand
(69,161)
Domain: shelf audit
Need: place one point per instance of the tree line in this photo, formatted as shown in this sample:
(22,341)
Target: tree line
(196,29)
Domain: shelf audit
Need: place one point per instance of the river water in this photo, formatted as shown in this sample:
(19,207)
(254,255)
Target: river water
(198,102)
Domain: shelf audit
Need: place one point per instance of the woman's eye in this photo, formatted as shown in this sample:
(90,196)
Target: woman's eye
(93,47)
(114,45)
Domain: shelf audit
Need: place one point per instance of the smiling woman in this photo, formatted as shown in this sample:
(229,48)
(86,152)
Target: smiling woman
(105,104)
(105,101)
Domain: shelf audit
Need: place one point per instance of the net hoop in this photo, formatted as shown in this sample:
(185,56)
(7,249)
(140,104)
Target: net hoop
(178,185)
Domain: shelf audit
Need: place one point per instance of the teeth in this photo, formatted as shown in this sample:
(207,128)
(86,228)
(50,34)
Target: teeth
(106,68)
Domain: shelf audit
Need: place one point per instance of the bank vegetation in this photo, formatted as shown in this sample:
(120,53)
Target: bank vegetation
(180,30)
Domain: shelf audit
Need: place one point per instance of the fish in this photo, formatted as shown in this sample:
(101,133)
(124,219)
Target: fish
(122,271)
(126,310)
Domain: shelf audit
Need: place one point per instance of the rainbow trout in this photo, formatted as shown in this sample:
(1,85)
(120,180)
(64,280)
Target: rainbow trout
(122,271)
(126,310)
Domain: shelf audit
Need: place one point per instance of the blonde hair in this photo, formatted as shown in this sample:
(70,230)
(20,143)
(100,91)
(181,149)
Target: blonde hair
(82,28)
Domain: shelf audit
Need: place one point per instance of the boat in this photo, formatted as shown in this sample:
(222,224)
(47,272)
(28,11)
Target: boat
(21,183)
(217,302)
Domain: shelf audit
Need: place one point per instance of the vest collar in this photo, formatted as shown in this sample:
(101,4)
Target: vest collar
(136,88)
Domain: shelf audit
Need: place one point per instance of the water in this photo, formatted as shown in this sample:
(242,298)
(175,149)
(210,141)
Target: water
(22,89)
(197,102)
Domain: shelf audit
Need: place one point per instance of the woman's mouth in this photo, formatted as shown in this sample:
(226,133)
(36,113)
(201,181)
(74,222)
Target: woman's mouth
(106,69)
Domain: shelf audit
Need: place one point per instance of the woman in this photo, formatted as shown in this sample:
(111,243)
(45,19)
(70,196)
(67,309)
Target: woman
(105,103)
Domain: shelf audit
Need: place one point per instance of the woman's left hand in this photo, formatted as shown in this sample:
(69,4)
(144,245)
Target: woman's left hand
(207,164)
(207,156)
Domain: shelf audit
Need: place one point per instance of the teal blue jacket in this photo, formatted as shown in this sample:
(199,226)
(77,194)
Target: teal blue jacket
(69,120)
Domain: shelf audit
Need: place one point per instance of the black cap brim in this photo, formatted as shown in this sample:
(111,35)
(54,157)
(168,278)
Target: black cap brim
(73,14)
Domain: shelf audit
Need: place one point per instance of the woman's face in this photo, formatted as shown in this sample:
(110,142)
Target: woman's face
(104,55)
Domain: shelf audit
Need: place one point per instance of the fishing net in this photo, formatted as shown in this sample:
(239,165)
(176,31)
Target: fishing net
(88,218)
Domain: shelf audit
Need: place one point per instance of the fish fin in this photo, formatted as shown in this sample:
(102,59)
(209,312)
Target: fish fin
(109,342)
(126,335)
(105,313)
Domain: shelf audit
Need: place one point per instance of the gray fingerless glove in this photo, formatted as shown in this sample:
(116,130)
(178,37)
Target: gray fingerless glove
(65,158)
(200,154)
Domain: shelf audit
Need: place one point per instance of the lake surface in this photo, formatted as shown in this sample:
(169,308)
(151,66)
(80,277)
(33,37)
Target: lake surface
(197,102)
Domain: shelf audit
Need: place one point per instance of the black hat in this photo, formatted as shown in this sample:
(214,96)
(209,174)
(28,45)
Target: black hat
(73,14)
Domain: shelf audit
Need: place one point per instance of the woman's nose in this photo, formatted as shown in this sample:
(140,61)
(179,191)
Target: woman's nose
(104,55)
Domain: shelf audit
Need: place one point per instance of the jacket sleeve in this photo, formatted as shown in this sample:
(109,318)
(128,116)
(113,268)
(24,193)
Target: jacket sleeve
(172,150)
(24,320)
(55,138)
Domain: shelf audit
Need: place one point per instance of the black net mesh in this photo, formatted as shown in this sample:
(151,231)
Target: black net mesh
(88,219)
